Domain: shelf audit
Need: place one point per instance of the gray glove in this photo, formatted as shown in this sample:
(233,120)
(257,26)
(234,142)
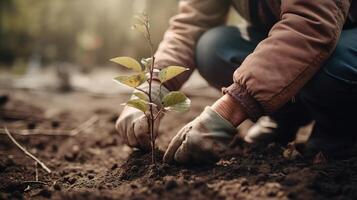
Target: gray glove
(262,130)
(204,140)
(132,124)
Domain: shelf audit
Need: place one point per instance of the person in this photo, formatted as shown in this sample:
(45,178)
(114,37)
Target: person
(299,64)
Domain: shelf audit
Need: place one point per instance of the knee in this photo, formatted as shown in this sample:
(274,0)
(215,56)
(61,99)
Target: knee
(324,92)
(208,46)
(210,53)
(342,65)
(330,84)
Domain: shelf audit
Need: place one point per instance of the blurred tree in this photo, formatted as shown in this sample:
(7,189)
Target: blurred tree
(86,32)
(6,7)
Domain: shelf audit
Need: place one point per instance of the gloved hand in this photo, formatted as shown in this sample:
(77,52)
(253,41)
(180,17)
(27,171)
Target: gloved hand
(203,140)
(132,124)
(263,130)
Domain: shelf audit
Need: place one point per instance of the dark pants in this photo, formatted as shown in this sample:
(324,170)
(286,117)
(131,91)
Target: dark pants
(329,98)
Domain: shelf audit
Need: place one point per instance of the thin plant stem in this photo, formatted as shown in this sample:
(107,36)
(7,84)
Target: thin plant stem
(151,120)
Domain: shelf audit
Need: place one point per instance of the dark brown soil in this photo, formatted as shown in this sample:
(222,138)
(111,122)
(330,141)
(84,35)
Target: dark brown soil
(96,165)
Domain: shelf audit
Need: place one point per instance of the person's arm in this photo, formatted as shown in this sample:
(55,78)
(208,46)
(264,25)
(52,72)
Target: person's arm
(295,49)
(230,110)
(280,65)
(179,43)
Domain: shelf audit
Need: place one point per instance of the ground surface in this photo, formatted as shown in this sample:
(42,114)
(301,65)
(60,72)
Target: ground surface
(94,164)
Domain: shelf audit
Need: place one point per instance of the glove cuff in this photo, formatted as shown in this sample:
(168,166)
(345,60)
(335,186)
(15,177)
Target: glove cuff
(215,121)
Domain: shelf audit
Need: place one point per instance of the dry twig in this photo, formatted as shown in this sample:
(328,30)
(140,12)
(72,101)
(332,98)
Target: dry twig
(26,152)
(34,182)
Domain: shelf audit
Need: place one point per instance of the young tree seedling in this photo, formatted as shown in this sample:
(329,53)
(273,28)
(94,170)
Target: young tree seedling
(144,73)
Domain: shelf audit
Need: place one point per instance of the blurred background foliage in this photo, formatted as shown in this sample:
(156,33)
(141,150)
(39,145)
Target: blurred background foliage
(67,44)
(85,32)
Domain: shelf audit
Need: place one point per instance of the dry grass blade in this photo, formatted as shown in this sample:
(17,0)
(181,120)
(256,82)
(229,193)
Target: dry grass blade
(84,126)
(26,152)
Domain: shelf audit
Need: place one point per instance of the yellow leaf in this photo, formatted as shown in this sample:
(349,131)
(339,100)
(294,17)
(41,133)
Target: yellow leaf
(128,62)
(141,95)
(131,80)
(138,104)
(140,27)
(170,72)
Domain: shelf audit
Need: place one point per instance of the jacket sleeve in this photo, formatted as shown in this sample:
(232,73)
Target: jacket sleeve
(295,49)
(179,43)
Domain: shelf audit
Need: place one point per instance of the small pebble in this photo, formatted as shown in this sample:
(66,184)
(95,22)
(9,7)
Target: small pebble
(3,99)
(57,186)
(31,125)
(114,166)
(55,124)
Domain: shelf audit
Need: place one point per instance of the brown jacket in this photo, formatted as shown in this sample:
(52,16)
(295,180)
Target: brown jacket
(303,34)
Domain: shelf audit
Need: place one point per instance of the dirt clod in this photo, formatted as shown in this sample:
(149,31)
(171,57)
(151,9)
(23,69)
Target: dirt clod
(3,99)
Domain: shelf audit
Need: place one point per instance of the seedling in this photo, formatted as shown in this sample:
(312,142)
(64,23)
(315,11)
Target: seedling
(144,73)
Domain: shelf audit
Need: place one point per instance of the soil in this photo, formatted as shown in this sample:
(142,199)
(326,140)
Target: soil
(94,164)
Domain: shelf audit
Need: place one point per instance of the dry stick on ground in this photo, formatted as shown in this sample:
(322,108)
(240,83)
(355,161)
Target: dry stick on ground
(34,182)
(45,132)
(26,152)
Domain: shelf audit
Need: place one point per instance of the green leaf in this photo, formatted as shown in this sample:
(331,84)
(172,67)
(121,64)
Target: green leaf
(176,101)
(138,104)
(170,72)
(131,80)
(128,62)
(146,62)
(141,95)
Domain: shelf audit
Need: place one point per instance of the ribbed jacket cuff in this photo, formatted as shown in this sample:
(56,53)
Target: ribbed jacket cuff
(250,105)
